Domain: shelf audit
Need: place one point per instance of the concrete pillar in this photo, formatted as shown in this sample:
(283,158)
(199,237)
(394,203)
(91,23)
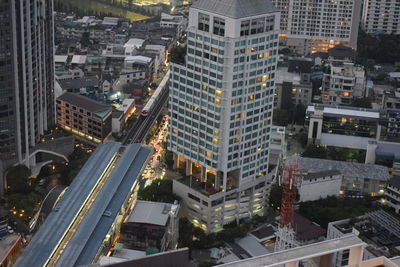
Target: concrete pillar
(326,260)
(370,156)
(189,167)
(292,264)
(224,181)
(378,132)
(355,256)
(203,173)
(176,161)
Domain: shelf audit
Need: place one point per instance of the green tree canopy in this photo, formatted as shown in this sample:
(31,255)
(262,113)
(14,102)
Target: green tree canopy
(160,190)
(17,179)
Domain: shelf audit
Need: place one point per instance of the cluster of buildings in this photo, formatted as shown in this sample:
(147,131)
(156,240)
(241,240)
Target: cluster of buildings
(99,84)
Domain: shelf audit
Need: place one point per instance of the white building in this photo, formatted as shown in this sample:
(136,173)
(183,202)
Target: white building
(277,144)
(321,184)
(381,16)
(343,83)
(220,108)
(132,45)
(315,26)
(356,178)
(392,194)
(293,84)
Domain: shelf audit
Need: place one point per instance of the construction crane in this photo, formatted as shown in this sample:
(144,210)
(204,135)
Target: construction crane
(285,236)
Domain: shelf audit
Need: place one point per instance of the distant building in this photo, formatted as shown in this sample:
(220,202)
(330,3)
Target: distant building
(293,84)
(343,83)
(84,117)
(278,144)
(315,26)
(346,127)
(392,194)
(381,17)
(151,225)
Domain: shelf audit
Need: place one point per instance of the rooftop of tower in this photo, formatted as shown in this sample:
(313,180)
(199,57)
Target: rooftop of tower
(236,8)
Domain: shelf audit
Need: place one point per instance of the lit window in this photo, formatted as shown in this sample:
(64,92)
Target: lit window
(250,98)
(266,54)
(264,85)
(217,101)
(216,132)
(175,130)
(208,154)
(215,140)
(261,55)
(265,77)
(218,93)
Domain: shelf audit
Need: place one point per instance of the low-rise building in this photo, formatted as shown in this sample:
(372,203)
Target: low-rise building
(356,178)
(293,84)
(342,83)
(278,144)
(151,225)
(345,127)
(319,254)
(84,117)
(84,86)
(378,229)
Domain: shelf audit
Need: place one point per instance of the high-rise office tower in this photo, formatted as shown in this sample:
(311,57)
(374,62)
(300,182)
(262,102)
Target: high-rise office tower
(381,16)
(315,26)
(220,105)
(26,75)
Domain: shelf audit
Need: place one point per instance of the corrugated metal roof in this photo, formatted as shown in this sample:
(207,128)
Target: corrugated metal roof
(150,213)
(89,235)
(236,8)
(351,169)
(59,219)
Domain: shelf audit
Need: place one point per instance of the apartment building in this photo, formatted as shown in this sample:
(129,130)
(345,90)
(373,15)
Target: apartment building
(293,83)
(220,106)
(315,26)
(26,76)
(381,16)
(342,83)
(84,117)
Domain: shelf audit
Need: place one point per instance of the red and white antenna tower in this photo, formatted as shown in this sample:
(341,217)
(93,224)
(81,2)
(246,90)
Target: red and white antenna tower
(285,237)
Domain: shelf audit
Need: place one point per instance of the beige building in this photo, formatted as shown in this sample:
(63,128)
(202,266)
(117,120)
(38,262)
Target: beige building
(315,26)
(85,118)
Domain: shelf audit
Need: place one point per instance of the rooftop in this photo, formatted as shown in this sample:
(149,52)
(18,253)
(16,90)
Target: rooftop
(85,103)
(395,181)
(68,84)
(306,230)
(345,111)
(315,175)
(6,244)
(352,169)
(78,59)
(148,212)
(236,8)
(300,253)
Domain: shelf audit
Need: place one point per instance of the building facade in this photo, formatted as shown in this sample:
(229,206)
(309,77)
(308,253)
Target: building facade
(346,127)
(315,26)
(220,106)
(392,194)
(84,117)
(26,75)
(381,16)
(343,83)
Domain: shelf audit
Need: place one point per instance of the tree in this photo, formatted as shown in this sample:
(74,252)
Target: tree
(315,151)
(177,54)
(169,159)
(17,179)
(280,117)
(364,102)
(159,191)
(275,196)
(85,39)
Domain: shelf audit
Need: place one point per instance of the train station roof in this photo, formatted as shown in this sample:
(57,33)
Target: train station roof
(112,170)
